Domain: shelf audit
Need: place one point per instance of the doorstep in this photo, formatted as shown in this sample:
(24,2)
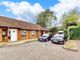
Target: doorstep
(17,42)
(2,44)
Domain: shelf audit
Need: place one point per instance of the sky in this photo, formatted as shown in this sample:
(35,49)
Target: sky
(27,10)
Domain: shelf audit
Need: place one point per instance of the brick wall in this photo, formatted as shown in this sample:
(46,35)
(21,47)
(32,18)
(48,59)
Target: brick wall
(0,35)
(19,34)
(39,34)
(28,35)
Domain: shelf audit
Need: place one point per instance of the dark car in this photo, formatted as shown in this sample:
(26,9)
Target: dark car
(45,37)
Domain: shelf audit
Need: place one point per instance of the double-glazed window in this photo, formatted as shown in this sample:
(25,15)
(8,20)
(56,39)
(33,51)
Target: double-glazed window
(4,33)
(33,32)
(23,32)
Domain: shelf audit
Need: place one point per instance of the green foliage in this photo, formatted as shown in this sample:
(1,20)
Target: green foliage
(72,24)
(70,17)
(54,29)
(44,18)
(74,33)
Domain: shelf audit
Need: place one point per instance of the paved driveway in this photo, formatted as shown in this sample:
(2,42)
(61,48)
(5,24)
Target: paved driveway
(37,51)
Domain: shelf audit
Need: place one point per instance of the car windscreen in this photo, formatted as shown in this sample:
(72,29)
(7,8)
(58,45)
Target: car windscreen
(45,35)
(61,33)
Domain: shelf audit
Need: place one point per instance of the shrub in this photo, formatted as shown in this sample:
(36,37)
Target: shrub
(72,24)
(74,33)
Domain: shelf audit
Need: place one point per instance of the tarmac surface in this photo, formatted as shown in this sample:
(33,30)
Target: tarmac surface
(38,51)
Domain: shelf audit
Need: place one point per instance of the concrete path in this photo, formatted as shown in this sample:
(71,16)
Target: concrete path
(37,51)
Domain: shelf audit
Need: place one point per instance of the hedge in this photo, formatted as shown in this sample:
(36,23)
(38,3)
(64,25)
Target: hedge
(74,33)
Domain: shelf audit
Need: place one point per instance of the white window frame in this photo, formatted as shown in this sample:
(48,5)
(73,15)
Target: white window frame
(33,33)
(23,32)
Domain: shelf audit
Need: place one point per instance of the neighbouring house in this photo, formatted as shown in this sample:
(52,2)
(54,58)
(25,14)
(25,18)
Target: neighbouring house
(16,30)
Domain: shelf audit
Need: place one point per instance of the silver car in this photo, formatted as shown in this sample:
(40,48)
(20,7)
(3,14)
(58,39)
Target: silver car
(58,38)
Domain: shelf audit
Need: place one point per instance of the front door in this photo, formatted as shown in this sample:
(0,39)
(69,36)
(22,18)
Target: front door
(13,34)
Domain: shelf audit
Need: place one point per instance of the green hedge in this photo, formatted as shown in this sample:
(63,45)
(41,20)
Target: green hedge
(74,33)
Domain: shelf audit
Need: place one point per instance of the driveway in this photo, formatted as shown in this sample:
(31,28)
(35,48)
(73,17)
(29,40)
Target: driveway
(37,51)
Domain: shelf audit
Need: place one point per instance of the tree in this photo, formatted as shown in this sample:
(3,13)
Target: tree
(53,30)
(70,19)
(44,18)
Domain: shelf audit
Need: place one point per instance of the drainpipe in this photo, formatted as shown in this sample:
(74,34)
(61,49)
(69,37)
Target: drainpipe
(7,37)
(38,33)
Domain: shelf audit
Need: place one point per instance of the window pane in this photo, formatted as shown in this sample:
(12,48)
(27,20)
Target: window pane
(33,32)
(23,32)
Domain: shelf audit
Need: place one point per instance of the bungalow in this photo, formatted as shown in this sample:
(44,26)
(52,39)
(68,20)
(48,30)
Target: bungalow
(16,30)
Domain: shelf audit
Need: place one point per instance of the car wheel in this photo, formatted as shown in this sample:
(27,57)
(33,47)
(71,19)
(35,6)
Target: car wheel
(52,41)
(65,41)
(46,40)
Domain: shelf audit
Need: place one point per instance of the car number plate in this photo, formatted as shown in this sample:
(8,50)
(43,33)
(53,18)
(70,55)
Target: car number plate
(55,41)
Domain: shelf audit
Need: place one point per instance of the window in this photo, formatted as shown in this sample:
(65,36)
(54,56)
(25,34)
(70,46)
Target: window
(33,32)
(4,33)
(23,32)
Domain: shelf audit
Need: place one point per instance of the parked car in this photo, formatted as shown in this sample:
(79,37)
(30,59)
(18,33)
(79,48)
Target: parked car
(59,37)
(45,37)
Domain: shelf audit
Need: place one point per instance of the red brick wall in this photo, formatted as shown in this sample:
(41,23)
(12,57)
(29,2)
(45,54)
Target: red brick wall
(28,35)
(19,34)
(39,34)
(0,35)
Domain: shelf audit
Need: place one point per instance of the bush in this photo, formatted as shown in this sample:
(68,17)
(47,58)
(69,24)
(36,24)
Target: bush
(72,24)
(74,33)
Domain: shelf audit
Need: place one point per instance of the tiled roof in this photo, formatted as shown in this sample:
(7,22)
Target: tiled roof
(9,22)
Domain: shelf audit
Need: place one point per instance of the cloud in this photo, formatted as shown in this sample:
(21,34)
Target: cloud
(23,10)
(64,6)
(0,4)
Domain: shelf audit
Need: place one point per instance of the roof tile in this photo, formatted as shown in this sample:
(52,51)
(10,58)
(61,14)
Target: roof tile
(9,22)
